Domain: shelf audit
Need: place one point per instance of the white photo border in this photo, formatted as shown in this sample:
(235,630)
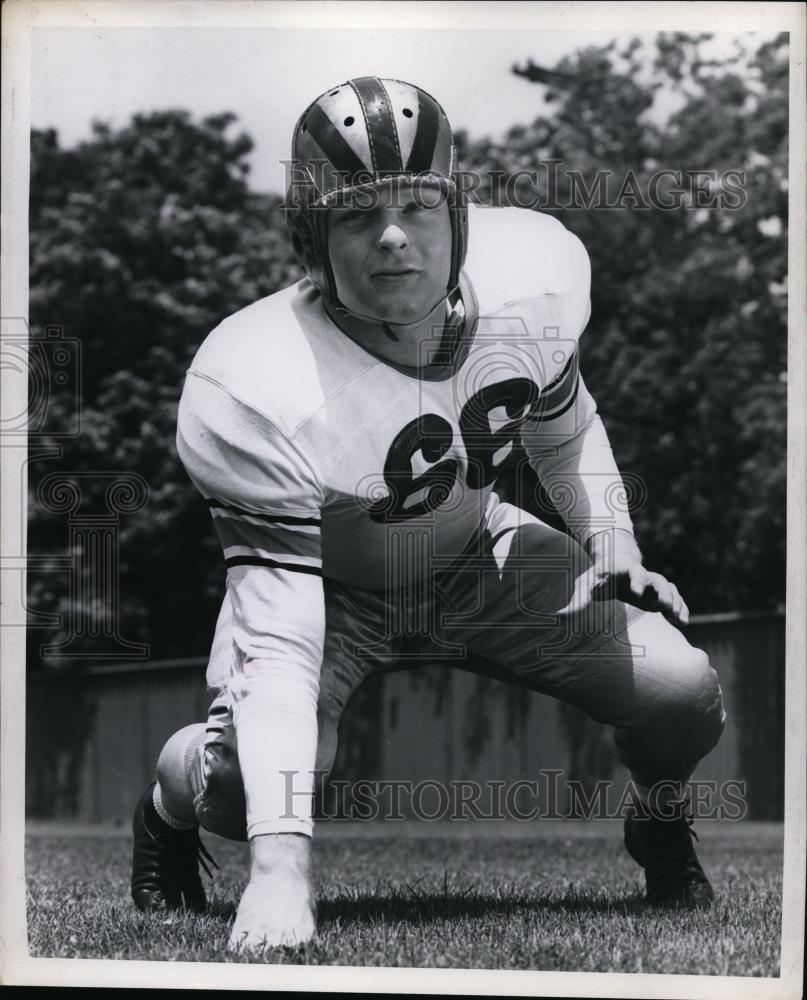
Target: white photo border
(21,17)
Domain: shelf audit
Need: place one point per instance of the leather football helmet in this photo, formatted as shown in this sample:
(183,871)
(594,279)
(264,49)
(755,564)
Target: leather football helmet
(357,136)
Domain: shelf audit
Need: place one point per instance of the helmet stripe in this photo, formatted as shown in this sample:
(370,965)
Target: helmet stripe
(404,103)
(326,135)
(423,148)
(381,131)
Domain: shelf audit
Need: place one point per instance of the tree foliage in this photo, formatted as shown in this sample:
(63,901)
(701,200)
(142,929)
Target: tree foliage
(144,237)
(686,351)
(142,240)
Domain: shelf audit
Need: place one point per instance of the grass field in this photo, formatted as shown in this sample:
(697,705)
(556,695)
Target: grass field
(552,896)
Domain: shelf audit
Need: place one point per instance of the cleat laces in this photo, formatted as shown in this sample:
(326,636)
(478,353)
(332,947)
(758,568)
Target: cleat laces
(664,848)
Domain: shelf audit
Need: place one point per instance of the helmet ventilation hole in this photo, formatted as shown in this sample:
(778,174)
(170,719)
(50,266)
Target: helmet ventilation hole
(333,93)
(349,120)
(407,112)
(304,127)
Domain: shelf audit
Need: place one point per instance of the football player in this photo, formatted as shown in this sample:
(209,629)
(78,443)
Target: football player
(347,434)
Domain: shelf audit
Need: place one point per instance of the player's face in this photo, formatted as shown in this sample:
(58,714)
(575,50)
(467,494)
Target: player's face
(390,252)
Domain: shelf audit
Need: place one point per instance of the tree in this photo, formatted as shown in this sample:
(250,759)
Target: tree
(686,351)
(142,240)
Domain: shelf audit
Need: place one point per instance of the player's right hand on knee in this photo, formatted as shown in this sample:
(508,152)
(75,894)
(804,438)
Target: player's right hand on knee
(617,573)
(278,906)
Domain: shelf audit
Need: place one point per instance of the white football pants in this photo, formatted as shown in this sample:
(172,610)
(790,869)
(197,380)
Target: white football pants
(493,611)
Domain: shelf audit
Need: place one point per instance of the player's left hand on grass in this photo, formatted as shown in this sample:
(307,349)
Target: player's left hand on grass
(618,574)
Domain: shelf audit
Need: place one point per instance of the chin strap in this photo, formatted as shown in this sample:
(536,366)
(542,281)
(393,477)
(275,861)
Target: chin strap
(452,327)
(451,297)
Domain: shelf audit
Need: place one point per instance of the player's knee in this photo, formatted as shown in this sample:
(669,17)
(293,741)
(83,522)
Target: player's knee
(693,700)
(173,771)
(221,802)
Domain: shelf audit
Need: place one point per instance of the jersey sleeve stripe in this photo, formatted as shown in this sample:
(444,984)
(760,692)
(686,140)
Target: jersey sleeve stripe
(563,405)
(560,394)
(261,552)
(272,564)
(227,521)
(220,516)
(558,379)
(291,541)
(217,505)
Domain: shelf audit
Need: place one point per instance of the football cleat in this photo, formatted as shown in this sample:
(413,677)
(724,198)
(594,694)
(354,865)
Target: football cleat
(673,874)
(165,862)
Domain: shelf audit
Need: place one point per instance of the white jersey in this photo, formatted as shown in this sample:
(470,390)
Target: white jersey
(318,458)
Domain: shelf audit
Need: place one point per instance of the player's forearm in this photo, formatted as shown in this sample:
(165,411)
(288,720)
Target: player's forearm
(602,543)
(275,717)
(278,634)
(581,477)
